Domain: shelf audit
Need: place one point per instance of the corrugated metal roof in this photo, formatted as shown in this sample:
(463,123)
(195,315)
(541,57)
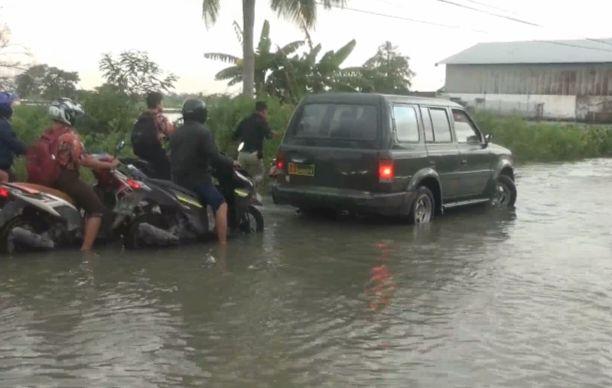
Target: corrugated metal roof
(558,51)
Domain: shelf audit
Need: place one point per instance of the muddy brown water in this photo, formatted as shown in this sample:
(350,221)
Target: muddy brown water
(477,298)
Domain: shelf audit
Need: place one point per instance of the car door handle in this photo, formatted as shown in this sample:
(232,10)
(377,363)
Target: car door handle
(463,162)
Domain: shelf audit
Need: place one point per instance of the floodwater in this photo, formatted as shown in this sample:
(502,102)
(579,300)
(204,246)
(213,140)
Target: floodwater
(478,298)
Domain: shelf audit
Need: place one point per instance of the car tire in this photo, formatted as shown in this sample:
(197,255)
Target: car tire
(504,193)
(423,207)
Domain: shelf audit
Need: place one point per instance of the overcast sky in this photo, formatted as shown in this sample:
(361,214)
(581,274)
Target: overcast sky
(73,34)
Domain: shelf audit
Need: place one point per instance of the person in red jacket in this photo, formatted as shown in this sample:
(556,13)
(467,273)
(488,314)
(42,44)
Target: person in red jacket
(70,155)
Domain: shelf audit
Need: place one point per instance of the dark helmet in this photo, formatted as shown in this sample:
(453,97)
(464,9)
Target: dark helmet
(195,110)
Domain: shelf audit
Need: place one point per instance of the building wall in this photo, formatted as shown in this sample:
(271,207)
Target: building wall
(532,79)
(529,106)
(580,92)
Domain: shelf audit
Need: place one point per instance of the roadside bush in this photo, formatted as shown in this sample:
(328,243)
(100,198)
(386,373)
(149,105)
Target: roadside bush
(29,121)
(108,110)
(547,142)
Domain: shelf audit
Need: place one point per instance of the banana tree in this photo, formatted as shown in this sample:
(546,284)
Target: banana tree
(266,61)
(303,12)
(307,73)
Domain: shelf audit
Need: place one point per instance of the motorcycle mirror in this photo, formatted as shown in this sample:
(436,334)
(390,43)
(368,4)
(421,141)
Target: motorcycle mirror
(120,145)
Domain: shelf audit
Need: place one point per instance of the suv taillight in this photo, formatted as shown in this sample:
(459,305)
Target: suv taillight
(386,171)
(280,161)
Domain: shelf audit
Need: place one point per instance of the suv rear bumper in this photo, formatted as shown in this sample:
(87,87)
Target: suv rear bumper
(388,204)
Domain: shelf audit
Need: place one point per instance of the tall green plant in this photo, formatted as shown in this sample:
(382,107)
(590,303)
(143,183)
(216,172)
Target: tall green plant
(303,12)
(287,75)
(266,61)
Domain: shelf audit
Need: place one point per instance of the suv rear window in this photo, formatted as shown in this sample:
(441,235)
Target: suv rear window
(337,121)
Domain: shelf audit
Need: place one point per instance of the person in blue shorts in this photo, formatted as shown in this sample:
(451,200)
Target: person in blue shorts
(192,153)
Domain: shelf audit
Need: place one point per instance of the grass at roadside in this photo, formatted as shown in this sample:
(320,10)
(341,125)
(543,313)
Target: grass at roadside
(547,141)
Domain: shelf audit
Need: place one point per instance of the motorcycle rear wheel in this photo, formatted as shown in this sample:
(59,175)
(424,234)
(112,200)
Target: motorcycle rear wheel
(131,239)
(7,246)
(251,221)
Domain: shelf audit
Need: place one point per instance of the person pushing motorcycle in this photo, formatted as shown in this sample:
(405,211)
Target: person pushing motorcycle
(192,152)
(56,158)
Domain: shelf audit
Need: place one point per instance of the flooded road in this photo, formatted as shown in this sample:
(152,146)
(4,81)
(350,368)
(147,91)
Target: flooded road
(478,298)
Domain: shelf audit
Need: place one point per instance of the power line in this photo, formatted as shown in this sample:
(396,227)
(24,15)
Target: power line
(530,24)
(558,43)
(489,6)
(517,20)
(404,18)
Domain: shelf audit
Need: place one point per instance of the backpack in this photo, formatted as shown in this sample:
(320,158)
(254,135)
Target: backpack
(41,163)
(144,133)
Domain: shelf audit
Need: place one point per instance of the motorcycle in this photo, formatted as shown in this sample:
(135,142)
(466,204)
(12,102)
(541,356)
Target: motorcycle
(179,212)
(36,217)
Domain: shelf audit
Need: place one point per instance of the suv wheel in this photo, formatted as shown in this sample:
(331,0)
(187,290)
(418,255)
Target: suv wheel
(504,196)
(423,207)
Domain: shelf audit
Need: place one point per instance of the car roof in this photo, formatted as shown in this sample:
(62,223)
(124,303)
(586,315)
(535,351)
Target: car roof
(374,98)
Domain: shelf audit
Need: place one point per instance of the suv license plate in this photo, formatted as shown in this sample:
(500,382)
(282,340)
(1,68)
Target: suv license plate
(301,169)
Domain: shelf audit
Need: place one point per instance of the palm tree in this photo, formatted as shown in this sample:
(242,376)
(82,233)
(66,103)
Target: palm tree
(303,12)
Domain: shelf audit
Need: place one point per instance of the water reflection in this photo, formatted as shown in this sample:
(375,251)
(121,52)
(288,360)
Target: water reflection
(381,285)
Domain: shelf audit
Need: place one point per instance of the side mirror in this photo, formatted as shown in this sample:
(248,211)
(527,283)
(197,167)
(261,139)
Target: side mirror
(120,145)
(488,139)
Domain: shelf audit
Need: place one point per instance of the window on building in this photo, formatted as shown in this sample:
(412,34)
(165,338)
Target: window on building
(406,123)
(441,125)
(464,129)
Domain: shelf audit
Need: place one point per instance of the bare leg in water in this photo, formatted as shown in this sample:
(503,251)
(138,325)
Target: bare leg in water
(92,227)
(221,223)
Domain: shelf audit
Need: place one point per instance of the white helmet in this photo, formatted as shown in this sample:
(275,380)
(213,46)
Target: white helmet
(65,110)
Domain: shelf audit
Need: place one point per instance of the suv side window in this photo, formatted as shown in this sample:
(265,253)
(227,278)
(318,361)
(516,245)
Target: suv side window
(441,125)
(427,127)
(464,129)
(406,123)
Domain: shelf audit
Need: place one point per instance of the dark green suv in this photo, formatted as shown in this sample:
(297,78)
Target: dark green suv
(389,155)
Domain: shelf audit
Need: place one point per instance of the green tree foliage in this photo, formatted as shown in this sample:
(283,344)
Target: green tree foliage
(266,61)
(47,82)
(288,75)
(135,74)
(108,109)
(386,72)
(303,12)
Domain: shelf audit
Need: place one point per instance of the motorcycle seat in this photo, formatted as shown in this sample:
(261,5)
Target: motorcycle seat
(32,187)
(171,185)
